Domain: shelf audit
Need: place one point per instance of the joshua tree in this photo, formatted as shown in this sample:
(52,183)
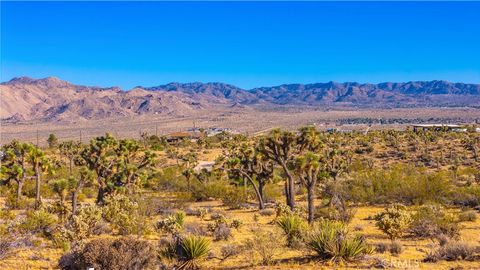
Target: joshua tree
(250,164)
(71,150)
(309,167)
(60,187)
(76,184)
(52,140)
(99,157)
(472,143)
(40,164)
(117,164)
(279,146)
(337,162)
(190,161)
(14,164)
(130,163)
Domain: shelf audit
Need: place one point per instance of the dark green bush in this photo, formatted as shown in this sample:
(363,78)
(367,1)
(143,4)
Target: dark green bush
(400,184)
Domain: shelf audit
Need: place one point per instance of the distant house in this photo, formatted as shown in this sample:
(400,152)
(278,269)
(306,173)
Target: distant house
(439,127)
(204,165)
(210,132)
(181,136)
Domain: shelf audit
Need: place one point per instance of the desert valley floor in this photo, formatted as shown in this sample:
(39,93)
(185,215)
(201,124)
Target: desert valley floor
(244,121)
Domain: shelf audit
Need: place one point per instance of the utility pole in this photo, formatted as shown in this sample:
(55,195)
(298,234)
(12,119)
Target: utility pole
(37,138)
(80,136)
(156,131)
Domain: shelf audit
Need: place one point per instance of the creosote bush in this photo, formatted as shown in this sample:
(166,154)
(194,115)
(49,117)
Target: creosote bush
(39,221)
(263,247)
(432,220)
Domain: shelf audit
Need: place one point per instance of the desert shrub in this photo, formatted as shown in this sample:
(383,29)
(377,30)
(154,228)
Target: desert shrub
(282,209)
(343,214)
(395,248)
(293,227)
(234,198)
(358,228)
(12,202)
(195,228)
(222,232)
(381,247)
(330,240)
(267,212)
(432,220)
(83,224)
(7,221)
(39,221)
(263,247)
(393,221)
(194,249)
(236,223)
(442,239)
(452,251)
(172,223)
(151,206)
(122,213)
(468,196)
(115,254)
(218,216)
(470,215)
(214,189)
(198,212)
(399,184)
(229,250)
(188,250)
(5,248)
(272,192)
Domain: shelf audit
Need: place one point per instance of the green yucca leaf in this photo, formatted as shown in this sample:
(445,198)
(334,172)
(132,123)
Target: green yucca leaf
(194,249)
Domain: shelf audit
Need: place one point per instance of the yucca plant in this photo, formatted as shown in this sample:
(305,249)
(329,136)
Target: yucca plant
(331,241)
(293,226)
(179,218)
(193,250)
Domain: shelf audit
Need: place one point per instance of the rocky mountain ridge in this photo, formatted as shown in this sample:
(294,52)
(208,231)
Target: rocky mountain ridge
(52,99)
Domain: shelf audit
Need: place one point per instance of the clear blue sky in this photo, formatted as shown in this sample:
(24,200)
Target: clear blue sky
(243,43)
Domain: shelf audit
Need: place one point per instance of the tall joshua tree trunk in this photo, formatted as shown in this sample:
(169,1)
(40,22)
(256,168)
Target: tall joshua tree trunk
(38,198)
(311,205)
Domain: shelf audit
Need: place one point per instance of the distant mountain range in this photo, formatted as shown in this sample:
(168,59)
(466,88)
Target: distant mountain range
(52,99)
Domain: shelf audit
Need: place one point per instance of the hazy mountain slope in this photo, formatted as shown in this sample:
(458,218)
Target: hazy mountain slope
(430,93)
(53,99)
